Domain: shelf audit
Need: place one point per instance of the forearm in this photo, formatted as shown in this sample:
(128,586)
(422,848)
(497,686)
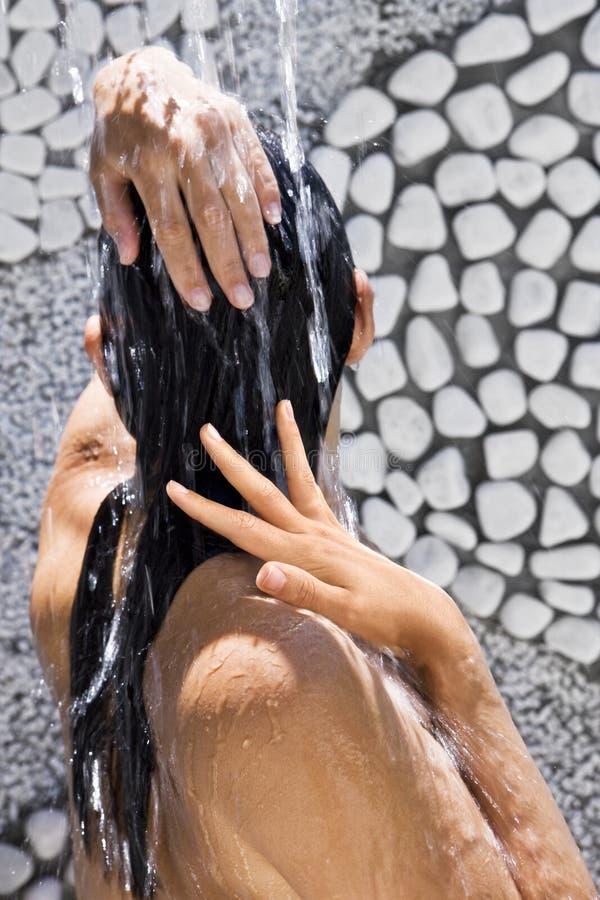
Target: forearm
(502,776)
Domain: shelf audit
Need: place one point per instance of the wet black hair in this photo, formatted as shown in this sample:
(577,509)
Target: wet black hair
(172,369)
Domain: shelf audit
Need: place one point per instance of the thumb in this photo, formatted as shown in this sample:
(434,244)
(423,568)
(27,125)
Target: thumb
(298,588)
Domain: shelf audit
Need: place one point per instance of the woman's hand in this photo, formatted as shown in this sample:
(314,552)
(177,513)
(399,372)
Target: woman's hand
(178,140)
(312,561)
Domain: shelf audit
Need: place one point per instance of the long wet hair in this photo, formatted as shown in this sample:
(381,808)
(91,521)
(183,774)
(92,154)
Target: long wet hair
(172,369)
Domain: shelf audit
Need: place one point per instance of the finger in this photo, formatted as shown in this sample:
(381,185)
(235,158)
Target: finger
(173,236)
(246,531)
(240,196)
(362,285)
(259,169)
(261,494)
(118,217)
(299,588)
(304,492)
(214,225)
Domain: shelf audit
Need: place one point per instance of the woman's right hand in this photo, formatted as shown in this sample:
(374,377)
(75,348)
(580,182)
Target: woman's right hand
(180,141)
(314,563)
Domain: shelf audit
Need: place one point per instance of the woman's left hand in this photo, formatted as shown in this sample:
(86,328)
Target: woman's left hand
(311,560)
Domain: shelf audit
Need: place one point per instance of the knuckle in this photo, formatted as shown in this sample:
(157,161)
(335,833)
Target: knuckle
(268,490)
(214,216)
(231,271)
(169,232)
(305,592)
(242,520)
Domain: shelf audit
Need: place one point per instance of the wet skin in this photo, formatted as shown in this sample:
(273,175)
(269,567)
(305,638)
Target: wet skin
(288,764)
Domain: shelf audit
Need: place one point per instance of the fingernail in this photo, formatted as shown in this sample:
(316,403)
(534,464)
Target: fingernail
(212,433)
(242,296)
(271,579)
(260,265)
(175,488)
(200,300)
(289,410)
(273,213)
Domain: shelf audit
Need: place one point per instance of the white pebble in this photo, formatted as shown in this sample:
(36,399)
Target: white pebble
(478,590)
(405,427)
(363,114)
(585,365)
(481,115)
(579,313)
(24,154)
(44,889)
(557,406)
(4,35)
(574,186)
(428,357)
(564,459)
(544,240)
(7,82)
(594,481)
(61,225)
(365,234)
(464,178)
(16,868)
(483,230)
(456,414)
(16,240)
(380,371)
(59,181)
(540,353)
(18,196)
(159,15)
(590,40)
(28,110)
(372,185)
(85,26)
(71,130)
(494,38)
(476,341)
(452,529)
(417,222)
(424,80)
(502,395)
(509,454)
(390,291)
(26,14)
(539,79)
(404,491)
(124,29)
(545,16)
(584,97)
(578,600)
(351,414)
(32,56)
(482,288)
(544,139)
(579,562)
(418,135)
(562,519)
(68,72)
(433,559)
(443,480)
(584,250)
(363,463)
(200,15)
(432,288)
(521,182)
(525,617)
(532,298)
(334,167)
(507,557)
(577,639)
(505,509)
(47,830)
(389,530)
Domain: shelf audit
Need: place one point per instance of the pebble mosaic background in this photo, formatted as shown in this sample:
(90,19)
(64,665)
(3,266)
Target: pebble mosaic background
(467,169)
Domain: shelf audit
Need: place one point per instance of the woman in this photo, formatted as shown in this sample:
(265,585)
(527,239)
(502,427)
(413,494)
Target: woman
(223,743)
